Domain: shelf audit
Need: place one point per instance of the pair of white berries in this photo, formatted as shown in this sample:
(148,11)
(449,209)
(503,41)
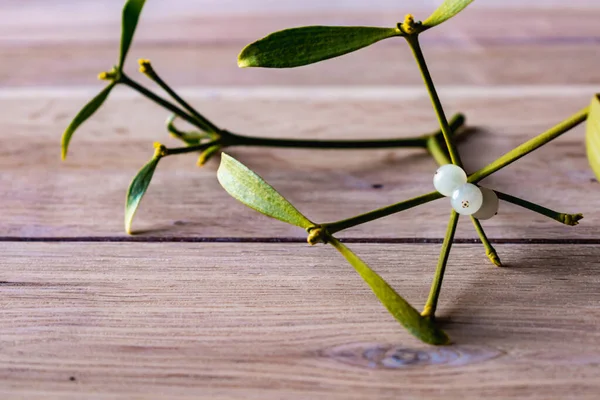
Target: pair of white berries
(466,198)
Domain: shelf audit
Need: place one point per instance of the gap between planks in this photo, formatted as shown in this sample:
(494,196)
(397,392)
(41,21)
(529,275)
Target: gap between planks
(183,239)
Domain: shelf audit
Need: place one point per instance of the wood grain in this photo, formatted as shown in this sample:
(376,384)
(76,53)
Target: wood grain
(100,320)
(84,196)
(481,47)
(220,321)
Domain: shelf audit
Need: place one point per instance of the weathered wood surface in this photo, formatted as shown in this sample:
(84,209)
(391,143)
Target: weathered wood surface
(84,196)
(482,47)
(288,321)
(220,321)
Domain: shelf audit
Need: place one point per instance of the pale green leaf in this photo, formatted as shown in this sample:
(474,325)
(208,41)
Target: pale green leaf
(306,45)
(249,188)
(447,10)
(131,15)
(137,189)
(592,135)
(86,112)
(421,327)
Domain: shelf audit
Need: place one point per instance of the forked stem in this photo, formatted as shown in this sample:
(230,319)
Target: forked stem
(440,155)
(228,139)
(158,100)
(147,69)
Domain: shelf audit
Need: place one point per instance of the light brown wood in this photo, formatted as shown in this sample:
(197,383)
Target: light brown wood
(265,321)
(480,48)
(220,321)
(84,196)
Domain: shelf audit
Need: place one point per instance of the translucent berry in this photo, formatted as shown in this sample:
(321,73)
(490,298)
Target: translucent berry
(467,199)
(490,204)
(448,178)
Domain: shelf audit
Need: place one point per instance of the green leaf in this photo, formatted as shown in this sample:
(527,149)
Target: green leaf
(592,135)
(137,189)
(247,187)
(87,111)
(300,46)
(421,327)
(447,10)
(131,16)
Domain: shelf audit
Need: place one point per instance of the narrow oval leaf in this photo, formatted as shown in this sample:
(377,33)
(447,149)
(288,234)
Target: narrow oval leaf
(249,188)
(422,328)
(137,189)
(87,111)
(592,135)
(447,10)
(300,46)
(131,15)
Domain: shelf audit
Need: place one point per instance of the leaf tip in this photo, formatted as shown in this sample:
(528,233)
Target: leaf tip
(64,145)
(221,170)
(244,60)
(443,339)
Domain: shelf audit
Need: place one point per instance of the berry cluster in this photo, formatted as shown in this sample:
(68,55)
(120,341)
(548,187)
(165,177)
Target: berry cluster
(466,198)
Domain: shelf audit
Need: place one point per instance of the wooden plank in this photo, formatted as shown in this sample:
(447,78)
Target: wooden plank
(99,21)
(480,48)
(267,321)
(84,196)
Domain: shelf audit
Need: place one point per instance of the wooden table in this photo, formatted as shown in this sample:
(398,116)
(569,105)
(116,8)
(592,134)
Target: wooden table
(212,300)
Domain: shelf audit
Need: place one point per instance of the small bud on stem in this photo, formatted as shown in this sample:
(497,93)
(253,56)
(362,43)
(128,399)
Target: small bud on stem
(145,66)
(317,234)
(409,26)
(160,150)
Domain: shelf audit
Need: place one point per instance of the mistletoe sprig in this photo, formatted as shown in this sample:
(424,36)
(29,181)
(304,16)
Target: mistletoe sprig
(300,46)
(208,139)
(306,45)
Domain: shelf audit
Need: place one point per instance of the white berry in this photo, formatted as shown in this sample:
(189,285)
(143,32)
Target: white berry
(448,178)
(490,205)
(467,199)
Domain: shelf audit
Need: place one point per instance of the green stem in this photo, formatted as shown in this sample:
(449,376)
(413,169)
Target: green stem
(191,149)
(239,140)
(334,227)
(436,145)
(490,252)
(439,153)
(229,139)
(413,41)
(441,157)
(436,285)
(204,123)
(456,123)
(567,219)
(530,145)
(159,100)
